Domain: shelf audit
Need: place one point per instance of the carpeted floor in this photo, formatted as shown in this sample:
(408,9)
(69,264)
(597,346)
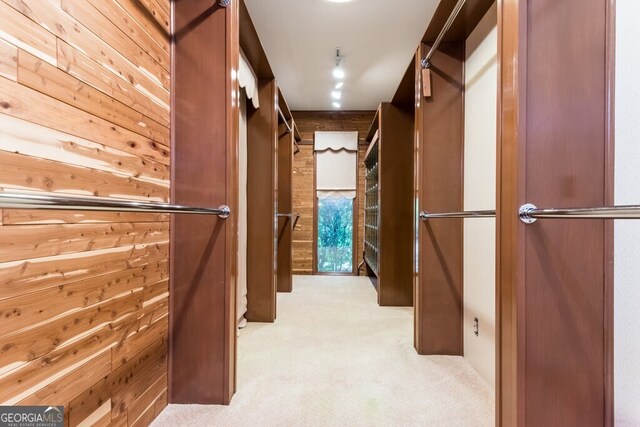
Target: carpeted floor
(332,358)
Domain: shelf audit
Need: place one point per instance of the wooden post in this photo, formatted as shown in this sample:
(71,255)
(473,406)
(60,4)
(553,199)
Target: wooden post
(204,173)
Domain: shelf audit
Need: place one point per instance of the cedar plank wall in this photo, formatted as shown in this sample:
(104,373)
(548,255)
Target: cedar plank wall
(84,109)
(309,122)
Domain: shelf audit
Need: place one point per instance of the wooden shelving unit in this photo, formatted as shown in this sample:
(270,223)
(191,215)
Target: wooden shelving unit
(371,209)
(388,236)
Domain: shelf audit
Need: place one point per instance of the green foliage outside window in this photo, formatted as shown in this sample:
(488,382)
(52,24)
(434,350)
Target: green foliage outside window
(335,235)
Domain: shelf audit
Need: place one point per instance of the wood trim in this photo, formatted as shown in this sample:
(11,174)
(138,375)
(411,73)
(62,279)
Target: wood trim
(510,403)
(356,209)
(233,201)
(372,141)
(609,280)
(510,332)
(172,198)
(315,214)
(373,128)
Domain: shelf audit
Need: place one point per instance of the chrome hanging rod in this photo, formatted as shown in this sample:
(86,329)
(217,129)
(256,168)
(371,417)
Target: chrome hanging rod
(286,123)
(50,202)
(425,216)
(426,61)
(529,213)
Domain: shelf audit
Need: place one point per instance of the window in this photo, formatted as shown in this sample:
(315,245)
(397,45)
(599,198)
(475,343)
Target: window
(335,235)
(336,158)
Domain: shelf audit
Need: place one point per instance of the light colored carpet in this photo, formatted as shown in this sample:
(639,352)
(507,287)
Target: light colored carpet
(334,358)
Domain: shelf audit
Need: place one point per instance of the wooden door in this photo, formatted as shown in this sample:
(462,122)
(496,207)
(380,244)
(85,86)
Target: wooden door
(554,276)
(204,173)
(285,207)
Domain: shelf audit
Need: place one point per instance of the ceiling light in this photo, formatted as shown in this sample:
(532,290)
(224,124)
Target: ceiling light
(336,105)
(336,94)
(338,72)
(339,85)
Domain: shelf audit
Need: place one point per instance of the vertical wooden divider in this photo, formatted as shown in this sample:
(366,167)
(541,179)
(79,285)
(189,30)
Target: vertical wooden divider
(204,173)
(553,277)
(395,125)
(262,193)
(285,206)
(439,179)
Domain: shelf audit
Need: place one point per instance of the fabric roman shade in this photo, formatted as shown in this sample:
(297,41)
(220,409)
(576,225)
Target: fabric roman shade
(336,158)
(248,81)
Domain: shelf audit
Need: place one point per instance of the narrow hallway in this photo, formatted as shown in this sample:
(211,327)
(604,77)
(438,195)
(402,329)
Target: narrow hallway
(334,356)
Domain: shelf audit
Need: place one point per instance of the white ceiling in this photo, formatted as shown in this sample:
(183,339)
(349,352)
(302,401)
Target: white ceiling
(377,39)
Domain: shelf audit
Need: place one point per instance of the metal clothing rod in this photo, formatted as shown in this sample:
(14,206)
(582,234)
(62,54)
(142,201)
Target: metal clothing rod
(529,213)
(286,123)
(424,215)
(50,202)
(289,215)
(426,61)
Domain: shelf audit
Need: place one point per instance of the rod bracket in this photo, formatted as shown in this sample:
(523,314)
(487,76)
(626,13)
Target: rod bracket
(226,211)
(424,215)
(224,3)
(425,63)
(524,213)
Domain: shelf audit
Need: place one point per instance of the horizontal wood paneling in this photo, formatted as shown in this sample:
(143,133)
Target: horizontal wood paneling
(27,104)
(97,16)
(77,64)
(303,169)
(139,14)
(8,61)
(31,309)
(18,243)
(17,217)
(47,79)
(159,9)
(25,172)
(308,123)
(27,35)
(23,137)
(52,18)
(84,296)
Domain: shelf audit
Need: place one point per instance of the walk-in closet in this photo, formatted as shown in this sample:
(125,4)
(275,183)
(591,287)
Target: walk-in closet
(319,212)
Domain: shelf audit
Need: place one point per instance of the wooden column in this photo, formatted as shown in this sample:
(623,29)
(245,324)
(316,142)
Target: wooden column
(285,206)
(395,240)
(439,149)
(554,276)
(262,193)
(204,173)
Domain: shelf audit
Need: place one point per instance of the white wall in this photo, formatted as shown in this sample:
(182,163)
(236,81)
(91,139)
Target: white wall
(627,233)
(481,76)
